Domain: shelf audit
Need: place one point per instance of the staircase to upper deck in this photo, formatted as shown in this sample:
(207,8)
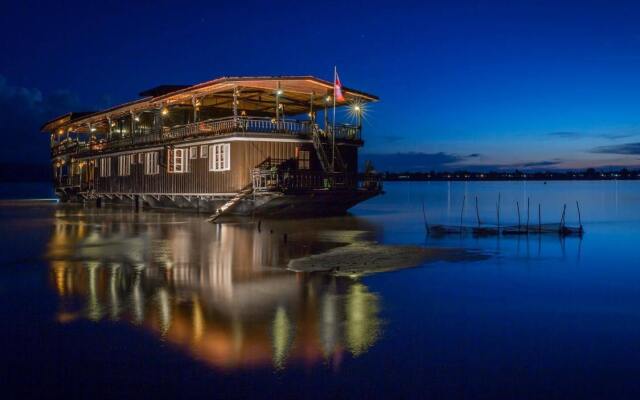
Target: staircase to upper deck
(324,147)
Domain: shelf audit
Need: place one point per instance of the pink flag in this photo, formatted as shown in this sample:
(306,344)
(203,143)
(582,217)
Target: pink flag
(337,88)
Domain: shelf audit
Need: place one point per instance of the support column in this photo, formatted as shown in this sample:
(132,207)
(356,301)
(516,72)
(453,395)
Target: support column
(235,106)
(109,130)
(132,125)
(157,120)
(194,102)
(278,93)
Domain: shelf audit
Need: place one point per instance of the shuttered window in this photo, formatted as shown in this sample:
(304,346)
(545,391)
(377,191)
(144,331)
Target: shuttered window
(220,157)
(203,151)
(105,167)
(124,165)
(151,166)
(193,152)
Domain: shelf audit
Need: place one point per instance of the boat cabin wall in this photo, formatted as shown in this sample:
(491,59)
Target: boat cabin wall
(201,174)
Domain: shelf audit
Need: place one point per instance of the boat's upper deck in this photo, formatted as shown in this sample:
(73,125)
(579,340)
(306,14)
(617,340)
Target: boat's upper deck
(265,106)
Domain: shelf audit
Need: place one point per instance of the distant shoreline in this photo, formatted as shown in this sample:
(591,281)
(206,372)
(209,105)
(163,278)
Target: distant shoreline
(585,175)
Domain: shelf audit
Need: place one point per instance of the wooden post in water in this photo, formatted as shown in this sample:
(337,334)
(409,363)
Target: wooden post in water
(464,199)
(518,207)
(528,200)
(539,219)
(477,211)
(424,218)
(564,210)
(579,216)
(498,211)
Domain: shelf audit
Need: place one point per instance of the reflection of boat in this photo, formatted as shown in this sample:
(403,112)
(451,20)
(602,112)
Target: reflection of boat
(220,293)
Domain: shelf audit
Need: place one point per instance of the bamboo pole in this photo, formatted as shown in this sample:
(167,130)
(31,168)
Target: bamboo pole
(464,199)
(498,210)
(539,219)
(579,216)
(424,217)
(528,201)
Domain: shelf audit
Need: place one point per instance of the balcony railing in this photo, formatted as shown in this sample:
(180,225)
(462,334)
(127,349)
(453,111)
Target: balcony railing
(212,127)
(346,132)
(264,180)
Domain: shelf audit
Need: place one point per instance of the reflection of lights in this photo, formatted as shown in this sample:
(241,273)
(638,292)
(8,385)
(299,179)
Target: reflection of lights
(113,291)
(222,270)
(59,273)
(329,324)
(281,338)
(164,310)
(137,300)
(362,324)
(198,320)
(94,309)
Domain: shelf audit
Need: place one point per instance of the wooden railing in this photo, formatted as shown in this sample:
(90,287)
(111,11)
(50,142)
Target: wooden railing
(346,132)
(212,127)
(270,180)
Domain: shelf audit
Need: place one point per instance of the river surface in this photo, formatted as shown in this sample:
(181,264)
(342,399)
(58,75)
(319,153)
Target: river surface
(110,302)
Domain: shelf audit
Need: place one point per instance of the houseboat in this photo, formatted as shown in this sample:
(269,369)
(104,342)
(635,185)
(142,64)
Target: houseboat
(239,145)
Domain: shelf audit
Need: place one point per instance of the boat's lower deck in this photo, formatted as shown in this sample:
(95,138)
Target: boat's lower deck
(309,203)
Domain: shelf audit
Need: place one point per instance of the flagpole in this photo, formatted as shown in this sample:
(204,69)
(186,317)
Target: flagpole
(333,135)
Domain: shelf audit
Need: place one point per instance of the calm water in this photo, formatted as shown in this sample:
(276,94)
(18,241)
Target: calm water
(112,302)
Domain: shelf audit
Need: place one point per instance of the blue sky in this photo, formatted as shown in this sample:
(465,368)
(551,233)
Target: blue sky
(476,84)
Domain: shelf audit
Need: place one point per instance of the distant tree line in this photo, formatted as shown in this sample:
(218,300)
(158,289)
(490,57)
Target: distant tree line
(587,174)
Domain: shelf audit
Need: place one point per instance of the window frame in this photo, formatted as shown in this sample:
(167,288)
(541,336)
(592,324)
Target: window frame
(220,157)
(151,164)
(124,165)
(105,167)
(181,160)
(304,163)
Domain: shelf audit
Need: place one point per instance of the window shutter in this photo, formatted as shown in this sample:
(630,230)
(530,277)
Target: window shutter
(212,158)
(227,156)
(170,161)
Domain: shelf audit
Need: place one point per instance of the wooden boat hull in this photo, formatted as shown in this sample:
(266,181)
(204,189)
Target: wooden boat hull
(270,204)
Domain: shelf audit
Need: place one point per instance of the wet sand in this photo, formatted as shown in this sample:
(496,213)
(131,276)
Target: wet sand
(365,257)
